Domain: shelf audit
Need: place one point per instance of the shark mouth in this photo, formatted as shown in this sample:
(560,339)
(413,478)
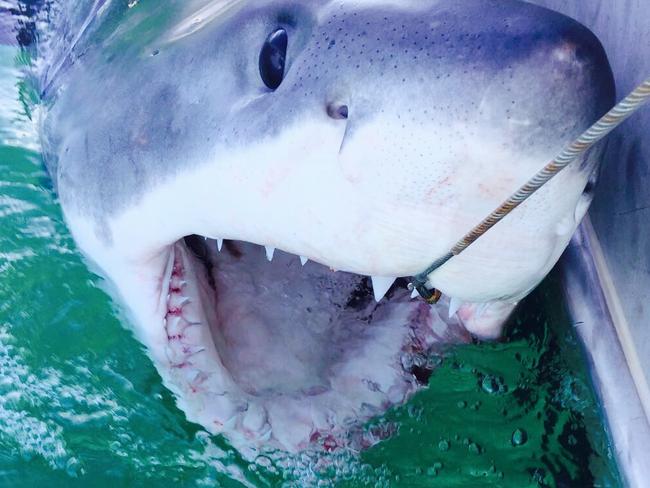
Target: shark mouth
(273,350)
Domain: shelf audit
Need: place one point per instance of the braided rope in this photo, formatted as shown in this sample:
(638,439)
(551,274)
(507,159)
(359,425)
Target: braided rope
(615,117)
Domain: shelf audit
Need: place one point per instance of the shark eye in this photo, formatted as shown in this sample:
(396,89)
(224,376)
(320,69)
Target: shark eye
(272,58)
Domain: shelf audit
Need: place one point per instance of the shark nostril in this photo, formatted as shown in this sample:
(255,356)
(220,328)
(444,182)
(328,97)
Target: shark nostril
(337,111)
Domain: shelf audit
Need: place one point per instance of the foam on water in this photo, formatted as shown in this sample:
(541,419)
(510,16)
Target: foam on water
(32,435)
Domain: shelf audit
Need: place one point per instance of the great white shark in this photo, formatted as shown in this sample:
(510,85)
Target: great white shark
(258,180)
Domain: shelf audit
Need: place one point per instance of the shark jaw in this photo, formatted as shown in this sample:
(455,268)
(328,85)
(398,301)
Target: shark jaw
(286,355)
(276,353)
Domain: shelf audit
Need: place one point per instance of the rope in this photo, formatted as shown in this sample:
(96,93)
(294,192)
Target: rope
(615,117)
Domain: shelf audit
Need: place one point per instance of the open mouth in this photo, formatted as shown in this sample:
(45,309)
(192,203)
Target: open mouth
(271,349)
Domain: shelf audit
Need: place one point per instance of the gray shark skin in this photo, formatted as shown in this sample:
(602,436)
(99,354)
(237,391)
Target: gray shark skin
(396,127)
(331,59)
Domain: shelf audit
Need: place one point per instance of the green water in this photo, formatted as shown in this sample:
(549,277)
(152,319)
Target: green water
(81,405)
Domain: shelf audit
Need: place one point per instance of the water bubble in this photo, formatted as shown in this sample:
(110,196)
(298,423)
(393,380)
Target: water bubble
(519,437)
(493,385)
(264,462)
(73,467)
(443,445)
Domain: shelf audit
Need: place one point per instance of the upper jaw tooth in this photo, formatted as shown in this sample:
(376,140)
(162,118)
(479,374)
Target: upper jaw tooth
(381,285)
(219,244)
(303,260)
(269,252)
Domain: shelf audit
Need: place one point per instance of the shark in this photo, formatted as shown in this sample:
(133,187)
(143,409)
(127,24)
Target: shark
(257,180)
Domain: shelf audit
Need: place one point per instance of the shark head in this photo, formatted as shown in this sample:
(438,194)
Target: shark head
(258,180)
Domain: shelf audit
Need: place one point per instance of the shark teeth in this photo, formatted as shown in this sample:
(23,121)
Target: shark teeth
(175,326)
(231,422)
(267,435)
(381,285)
(255,418)
(177,301)
(270,251)
(454,306)
(173,356)
(177,284)
(190,351)
(481,309)
(192,375)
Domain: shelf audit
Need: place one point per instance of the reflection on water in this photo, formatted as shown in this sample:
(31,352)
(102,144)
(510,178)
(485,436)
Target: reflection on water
(80,401)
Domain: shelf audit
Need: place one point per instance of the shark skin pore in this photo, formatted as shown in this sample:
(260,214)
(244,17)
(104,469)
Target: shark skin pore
(261,237)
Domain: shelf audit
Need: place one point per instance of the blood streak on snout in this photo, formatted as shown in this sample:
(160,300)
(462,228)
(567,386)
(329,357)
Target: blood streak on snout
(437,193)
(275,177)
(498,188)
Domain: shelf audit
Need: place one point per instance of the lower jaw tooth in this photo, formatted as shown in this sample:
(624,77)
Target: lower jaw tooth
(255,418)
(481,309)
(267,435)
(192,350)
(454,306)
(176,326)
(192,375)
(173,356)
(231,422)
